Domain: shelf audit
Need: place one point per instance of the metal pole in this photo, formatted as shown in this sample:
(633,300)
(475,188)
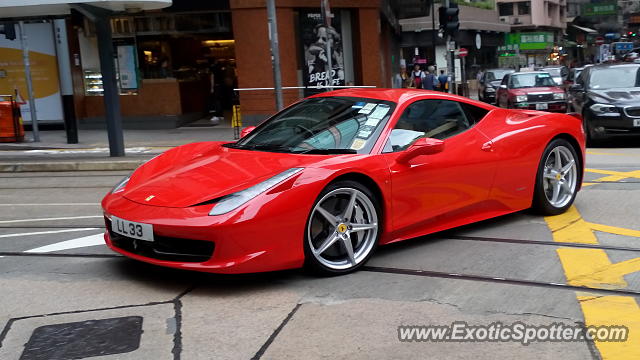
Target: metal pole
(275,51)
(433,29)
(327,22)
(111,91)
(27,74)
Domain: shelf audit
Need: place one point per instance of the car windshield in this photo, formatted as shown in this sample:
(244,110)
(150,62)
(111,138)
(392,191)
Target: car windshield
(323,125)
(497,74)
(553,71)
(614,77)
(520,81)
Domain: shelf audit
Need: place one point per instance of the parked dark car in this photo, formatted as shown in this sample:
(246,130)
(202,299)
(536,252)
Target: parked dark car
(489,84)
(608,97)
(533,90)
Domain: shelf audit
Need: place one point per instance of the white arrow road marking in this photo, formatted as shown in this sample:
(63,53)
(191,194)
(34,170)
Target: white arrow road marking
(85,241)
(50,219)
(45,232)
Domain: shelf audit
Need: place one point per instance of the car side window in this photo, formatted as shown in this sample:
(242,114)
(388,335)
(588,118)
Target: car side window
(438,119)
(505,80)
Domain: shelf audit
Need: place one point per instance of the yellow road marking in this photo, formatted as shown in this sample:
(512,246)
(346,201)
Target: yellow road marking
(593,268)
(610,311)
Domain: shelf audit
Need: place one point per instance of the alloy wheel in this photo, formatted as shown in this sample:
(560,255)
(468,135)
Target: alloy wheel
(342,229)
(560,176)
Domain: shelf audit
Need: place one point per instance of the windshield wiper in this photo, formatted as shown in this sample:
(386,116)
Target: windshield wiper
(266,147)
(327,151)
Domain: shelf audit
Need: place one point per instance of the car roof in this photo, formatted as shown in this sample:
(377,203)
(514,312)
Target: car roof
(394,95)
(529,72)
(499,69)
(607,66)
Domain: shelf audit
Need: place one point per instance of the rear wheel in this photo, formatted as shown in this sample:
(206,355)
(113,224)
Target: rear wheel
(557,178)
(343,229)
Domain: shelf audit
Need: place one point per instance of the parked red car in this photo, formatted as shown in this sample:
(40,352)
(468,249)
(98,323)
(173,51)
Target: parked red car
(534,90)
(325,181)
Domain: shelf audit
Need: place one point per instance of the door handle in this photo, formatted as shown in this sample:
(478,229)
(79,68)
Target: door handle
(488,146)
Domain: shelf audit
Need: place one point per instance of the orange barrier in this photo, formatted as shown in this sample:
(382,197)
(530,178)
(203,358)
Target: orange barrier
(11,127)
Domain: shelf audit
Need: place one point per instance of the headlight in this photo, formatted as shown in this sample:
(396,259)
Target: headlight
(235,200)
(521,98)
(121,185)
(558,96)
(604,110)
(489,89)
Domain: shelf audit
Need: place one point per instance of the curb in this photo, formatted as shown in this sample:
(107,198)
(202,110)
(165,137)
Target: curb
(71,166)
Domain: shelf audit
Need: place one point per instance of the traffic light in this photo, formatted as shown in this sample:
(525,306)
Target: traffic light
(448,16)
(8,29)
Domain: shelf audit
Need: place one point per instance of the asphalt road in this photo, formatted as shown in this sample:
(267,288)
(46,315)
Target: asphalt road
(64,294)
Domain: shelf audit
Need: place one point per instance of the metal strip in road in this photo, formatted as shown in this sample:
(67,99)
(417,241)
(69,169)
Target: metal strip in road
(46,232)
(51,219)
(540,242)
(439,274)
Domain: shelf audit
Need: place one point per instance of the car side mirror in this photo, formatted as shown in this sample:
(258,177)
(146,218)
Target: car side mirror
(422,146)
(503,86)
(246,131)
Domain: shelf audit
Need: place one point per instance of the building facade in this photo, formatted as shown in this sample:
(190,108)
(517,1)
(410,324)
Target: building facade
(537,29)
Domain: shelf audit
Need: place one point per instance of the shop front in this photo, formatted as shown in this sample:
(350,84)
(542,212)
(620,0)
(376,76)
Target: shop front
(172,68)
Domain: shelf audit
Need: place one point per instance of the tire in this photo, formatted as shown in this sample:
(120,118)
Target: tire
(330,229)
(556,184)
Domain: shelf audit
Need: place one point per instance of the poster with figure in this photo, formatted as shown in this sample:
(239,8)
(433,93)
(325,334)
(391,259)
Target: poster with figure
(314,36)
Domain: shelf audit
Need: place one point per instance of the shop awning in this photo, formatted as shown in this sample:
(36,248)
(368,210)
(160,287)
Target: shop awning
(35,8)
(585,29)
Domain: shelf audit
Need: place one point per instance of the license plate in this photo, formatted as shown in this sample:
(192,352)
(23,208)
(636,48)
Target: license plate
(636,122)
(542,106)
(132,229)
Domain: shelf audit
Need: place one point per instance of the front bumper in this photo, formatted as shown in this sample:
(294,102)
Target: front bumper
(552,106)
(244,241)
(622,125)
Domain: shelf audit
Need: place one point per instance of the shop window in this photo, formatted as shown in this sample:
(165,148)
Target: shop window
(505,9)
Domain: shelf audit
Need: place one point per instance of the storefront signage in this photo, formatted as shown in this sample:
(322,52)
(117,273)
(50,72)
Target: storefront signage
(314,37)
(598,9)
(530,40)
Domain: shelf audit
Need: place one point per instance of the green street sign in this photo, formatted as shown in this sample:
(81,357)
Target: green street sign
(599,9)
(529,40)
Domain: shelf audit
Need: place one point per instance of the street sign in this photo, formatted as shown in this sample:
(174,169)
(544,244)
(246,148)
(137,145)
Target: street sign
(462,52)
(599,40)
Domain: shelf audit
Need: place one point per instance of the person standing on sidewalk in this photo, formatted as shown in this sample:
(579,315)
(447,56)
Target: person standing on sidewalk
(443,79)
(430,81)
(417,77)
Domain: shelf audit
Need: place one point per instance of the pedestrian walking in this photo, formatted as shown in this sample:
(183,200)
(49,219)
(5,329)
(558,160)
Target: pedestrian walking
(430,81)
(443,79)
(403,78)
(417,77)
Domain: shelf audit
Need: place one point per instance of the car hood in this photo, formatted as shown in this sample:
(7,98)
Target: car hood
(630,96)
(199,172)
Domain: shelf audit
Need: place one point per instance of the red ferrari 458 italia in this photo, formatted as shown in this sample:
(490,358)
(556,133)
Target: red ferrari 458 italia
(325,181)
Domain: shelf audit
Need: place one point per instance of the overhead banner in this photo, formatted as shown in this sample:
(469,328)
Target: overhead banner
(314,36)
(44,72)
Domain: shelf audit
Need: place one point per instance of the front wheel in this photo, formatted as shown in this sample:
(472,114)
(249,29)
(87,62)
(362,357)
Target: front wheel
(343,229)
(557,178)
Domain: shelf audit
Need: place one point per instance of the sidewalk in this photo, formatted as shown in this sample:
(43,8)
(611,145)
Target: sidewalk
(52,153)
